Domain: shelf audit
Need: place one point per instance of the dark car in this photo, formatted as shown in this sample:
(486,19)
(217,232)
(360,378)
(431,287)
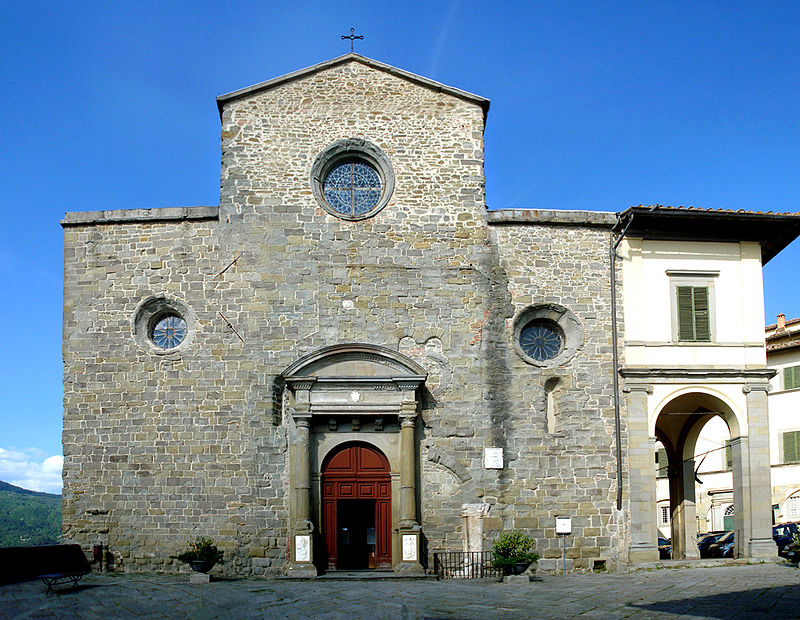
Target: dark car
(664,548)
(782,534)
(722,547)
(704,540)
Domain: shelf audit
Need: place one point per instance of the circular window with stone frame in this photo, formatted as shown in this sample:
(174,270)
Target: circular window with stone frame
(162,324)
(547,335)
(352,179)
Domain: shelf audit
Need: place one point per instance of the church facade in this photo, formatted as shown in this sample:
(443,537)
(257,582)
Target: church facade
(350,363)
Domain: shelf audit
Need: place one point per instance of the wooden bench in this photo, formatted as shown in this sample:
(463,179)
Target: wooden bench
(53,564)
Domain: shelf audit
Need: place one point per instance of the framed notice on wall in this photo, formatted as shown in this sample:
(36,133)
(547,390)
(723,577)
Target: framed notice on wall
(409,548)
(302,548)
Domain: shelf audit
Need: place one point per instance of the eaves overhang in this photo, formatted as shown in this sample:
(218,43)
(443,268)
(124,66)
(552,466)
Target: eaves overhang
(773,231)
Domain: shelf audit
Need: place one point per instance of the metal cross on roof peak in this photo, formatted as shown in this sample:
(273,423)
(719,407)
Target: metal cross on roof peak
(352,37)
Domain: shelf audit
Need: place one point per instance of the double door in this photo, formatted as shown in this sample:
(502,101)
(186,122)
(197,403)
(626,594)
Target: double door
(356,508)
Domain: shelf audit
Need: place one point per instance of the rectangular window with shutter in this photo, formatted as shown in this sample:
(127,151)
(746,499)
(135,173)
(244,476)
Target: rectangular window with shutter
(692,305)
(791,447)
(728,455)
(693,314)
(791,377)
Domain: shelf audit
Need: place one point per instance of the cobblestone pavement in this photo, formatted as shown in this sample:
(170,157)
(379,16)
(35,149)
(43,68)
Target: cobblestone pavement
(753,591)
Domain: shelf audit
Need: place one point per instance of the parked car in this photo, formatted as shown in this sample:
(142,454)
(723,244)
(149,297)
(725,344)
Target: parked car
(722,547)
(704,540)
(782,534)
(664,548)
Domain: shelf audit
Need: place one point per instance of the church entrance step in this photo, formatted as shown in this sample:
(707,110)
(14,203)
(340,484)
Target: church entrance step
(372,575)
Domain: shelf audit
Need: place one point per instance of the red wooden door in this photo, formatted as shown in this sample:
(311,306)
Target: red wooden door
(356,478)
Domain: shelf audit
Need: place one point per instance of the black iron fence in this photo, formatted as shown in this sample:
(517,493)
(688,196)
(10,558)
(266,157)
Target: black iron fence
(464,565)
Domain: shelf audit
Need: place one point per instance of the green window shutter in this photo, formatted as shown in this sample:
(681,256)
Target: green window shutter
(791,377)
(702,324)
(694,324)
(685,313)
(791,447)
(728,455)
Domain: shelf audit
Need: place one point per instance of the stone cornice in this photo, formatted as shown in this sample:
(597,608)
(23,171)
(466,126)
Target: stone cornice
(699,374)
(136,216)
(592,219)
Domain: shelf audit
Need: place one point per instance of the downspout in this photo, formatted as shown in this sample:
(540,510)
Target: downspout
(614,241)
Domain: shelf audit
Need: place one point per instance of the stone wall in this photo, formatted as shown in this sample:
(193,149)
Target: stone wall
(564,465)
(159,448)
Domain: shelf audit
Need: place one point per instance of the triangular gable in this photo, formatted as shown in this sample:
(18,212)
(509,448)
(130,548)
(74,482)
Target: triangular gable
(352,57)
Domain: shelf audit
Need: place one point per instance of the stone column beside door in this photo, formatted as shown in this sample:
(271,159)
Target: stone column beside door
(301,543)
(410,532)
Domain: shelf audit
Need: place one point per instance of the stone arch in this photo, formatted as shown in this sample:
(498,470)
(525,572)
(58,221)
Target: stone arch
(695,397)
(677,423)
(450,463)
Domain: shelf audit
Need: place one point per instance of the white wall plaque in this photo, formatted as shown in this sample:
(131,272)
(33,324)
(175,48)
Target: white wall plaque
(563,525)
(493,458)
(409,548)
(302,548)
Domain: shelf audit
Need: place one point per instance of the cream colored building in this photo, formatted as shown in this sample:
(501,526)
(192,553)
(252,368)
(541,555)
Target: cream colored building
(694,353)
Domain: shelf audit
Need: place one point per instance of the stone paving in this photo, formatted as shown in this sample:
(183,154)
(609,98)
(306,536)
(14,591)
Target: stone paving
(750,591)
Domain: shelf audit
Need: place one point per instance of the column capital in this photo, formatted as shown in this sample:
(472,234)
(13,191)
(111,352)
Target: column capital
(756,387)
(302,419)
(407,419)
(638,387)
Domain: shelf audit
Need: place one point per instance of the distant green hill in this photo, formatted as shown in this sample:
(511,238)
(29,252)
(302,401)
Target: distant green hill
(28,517)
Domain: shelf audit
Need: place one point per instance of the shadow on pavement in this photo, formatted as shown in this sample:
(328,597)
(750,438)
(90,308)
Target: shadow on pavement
(750,603)
(64,590)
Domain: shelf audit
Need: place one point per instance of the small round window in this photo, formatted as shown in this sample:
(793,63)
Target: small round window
(547,335)
(163,325)
(352,188)
(542,340)
(352,179)
(169,331)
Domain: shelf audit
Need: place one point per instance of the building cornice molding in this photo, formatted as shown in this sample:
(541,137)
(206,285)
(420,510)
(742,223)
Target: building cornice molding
(695,375)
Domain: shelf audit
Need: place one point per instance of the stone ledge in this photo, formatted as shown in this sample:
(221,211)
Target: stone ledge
(594,219)
(131,216)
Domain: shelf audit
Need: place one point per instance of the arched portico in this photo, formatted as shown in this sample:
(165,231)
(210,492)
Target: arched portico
(678,424)
(353,393)
(664,406)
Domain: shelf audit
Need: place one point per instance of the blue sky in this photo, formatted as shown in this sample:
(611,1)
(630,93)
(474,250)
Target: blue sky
(595,105)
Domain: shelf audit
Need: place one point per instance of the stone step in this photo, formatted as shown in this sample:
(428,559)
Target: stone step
(366,575)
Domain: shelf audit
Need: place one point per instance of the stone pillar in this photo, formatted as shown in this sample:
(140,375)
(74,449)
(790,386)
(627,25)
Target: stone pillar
(472,516)
(409,529)
(683,511)
(301,544)
(641,476)
(752,487)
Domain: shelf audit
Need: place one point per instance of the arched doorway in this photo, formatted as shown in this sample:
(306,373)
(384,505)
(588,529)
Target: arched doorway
(356,508)
(678,427)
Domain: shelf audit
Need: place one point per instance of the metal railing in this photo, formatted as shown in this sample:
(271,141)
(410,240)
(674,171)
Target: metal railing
(464,565)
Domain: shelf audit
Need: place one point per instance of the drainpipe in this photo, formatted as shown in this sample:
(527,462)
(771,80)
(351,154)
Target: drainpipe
(614,241)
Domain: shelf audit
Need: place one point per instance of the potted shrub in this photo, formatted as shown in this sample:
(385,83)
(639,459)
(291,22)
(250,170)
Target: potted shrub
(201,555)
(513,552)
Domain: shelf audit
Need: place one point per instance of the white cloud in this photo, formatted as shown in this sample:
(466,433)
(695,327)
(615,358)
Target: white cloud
(30,468)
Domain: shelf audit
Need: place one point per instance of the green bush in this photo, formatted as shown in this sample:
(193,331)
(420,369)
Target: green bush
(201,550)
(513,547)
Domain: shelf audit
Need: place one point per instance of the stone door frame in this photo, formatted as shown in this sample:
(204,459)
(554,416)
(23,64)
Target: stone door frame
(351,382)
